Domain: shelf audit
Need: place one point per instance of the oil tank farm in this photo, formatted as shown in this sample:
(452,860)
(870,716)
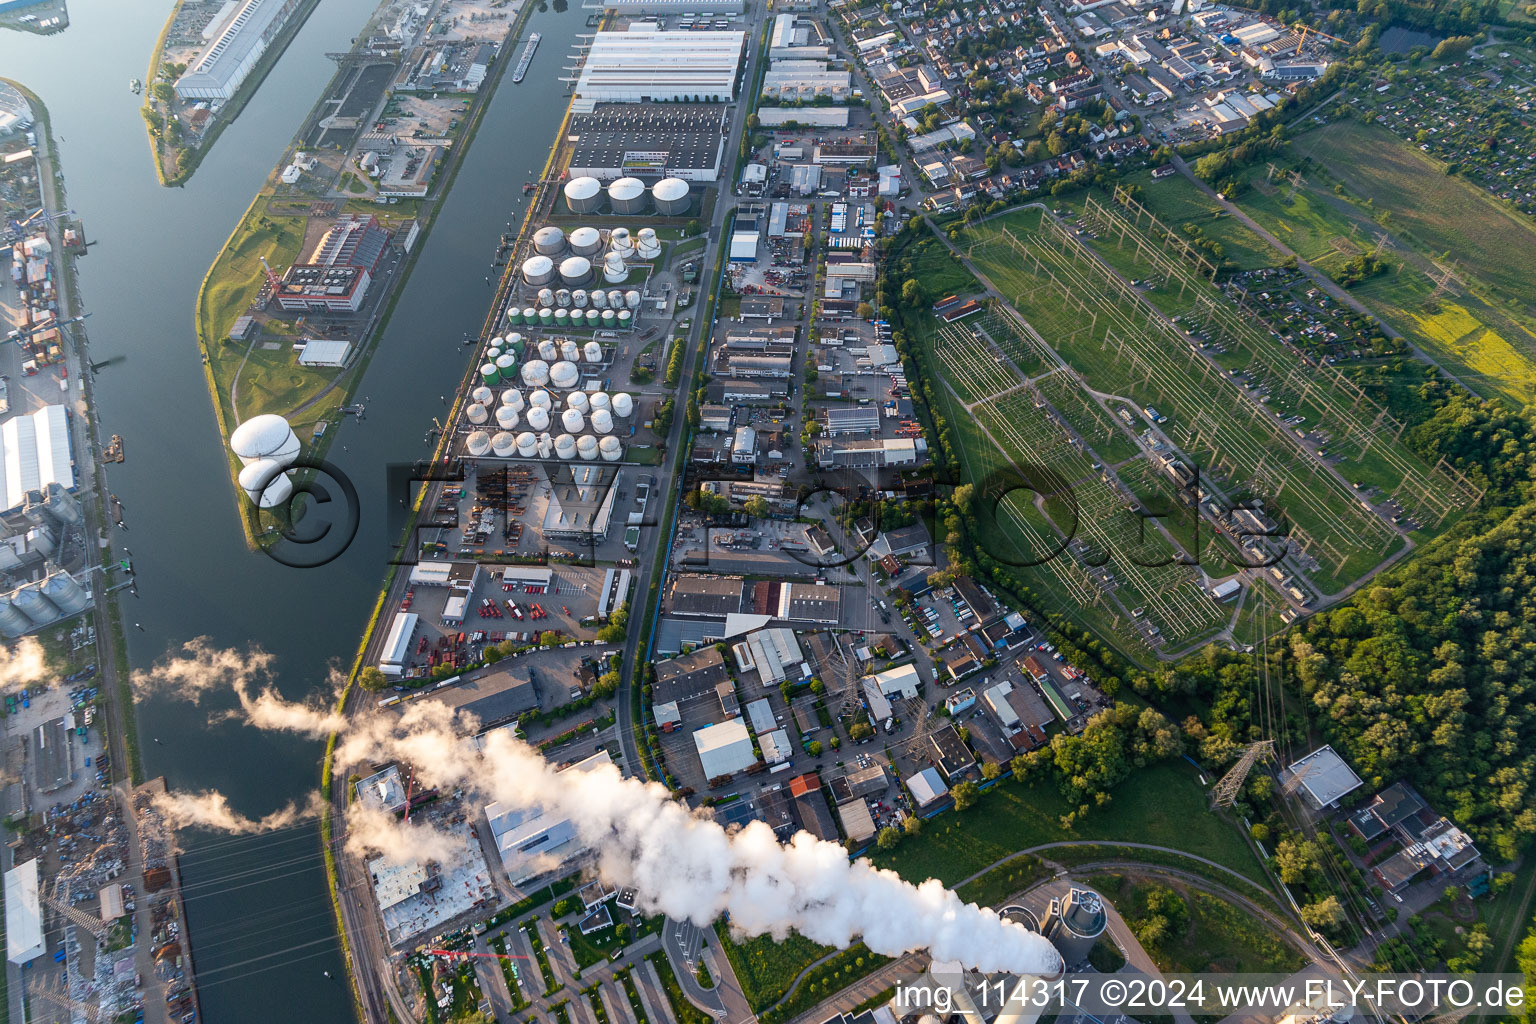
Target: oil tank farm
(583,195)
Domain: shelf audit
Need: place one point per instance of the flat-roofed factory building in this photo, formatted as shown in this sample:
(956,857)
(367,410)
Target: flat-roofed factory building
(618,140)
(648,65)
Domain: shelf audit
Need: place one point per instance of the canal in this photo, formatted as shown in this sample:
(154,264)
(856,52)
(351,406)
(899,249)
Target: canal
(262,931)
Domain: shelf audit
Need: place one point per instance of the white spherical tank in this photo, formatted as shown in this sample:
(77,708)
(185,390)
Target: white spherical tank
(626,196)
(612,449)
(482,394)
(577,400)
(572,421)
(575,270)
(506,417)
(599,298)
(602,421)
(592,352)
(513,399)
(265,437)
(583,194)
(614,270)
(503,444)
(527,444)
(671,197)
(579,298)
(647,245)
(600,400)
(548,240)
(265,483)
(632,299)
(565,446)
(538,418)
(541,399)
(548,350)
(623,405)
(586,447)
(535,372)
(585,241)
(620,242)
(478,443)
(538,270)
(569,350)
(476,413)
(546,298)
(564,375)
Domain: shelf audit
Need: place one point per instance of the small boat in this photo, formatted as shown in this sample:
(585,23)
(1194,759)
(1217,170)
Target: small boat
(135,86)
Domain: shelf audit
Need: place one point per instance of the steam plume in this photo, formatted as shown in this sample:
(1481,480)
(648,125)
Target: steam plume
(211,810)
(26,664)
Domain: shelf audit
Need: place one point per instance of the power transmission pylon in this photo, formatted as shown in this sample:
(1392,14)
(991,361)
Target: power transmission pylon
(1226,790)
(1442,283)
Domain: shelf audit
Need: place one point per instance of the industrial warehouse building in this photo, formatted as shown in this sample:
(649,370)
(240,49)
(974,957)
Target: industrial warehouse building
(645,65)
(34,452)
(23,914)
(336,276)
(616,140)
(532,842)
(235,50)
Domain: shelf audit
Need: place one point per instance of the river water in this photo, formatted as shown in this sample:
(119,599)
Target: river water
(262,930)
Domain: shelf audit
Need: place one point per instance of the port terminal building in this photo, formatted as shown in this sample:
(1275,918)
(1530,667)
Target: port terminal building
(240,36)
(650,65)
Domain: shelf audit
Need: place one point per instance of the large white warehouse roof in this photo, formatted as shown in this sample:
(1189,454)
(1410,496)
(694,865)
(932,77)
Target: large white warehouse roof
(640,67)
(23,914)
(34,452)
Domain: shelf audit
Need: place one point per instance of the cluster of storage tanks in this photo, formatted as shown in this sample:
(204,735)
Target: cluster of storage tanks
(581,255)
(535,412)
(266,447)
(55,597)
(627,196)
(555,362)
(592,309)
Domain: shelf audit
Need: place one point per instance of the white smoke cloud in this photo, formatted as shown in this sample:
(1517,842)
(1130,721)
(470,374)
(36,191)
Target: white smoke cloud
(373,831)
(25,665)
(211,810)
(681,863)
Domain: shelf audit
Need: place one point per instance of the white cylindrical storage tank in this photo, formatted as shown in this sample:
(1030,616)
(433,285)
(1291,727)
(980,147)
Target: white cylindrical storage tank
(577,400)
(615,298)
(647,245)
(482,395)
(626,196)
(13,622)
(607,317)
(541,399)
(623,405)
(585,241)
(549,240)
(527,444)
(583,195)
(632,299)
(503,444)
(476,413)
(671,197)
(620,242)
(599,298)
(538,270)
(265,437)
(564,375)
(586,447)
(513,399)
(265,483)
(575,270)
(593,352)
(546,446)
(611,448)
(478,443)
(562,297)
(570,351)
(572,421)
(565,447)
(506,417)
(34,605)
(548,350)
(579,298)
(538,418)
(602,421)
(546,296)
(535,372)
(599,400)
(614,270)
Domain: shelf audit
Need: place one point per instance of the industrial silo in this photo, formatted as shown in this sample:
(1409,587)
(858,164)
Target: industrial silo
(620,242)
(586,241)
(506,417)
(70,597)
(13,622)
(583,195)
(626,320)
(631,299)
(549,240)
(538,418)
(647,246)
(579,298)
(61,504)
(483,395)
(564,375)
(593,352)
(565,447)
(626,196)
(527,444)
(623,405)
(476,413)
(671,197)
(265,437)
(541,399)
(614,270)
(34,605)
(602,421)
(577,400)
(611,448)
(40,538)
(535,373)
(538,270)
(586,447)
(607,317)
(478,443)
(573,421)
(489,375)
(599,298)
(1074,923)
(513,399)
(575,270)
(503,445)
(570,351)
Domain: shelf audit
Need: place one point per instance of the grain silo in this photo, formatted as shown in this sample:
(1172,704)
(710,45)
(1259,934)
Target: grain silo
(583,195)
(626,196)
(30,600)
(671,197)
(13,622)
